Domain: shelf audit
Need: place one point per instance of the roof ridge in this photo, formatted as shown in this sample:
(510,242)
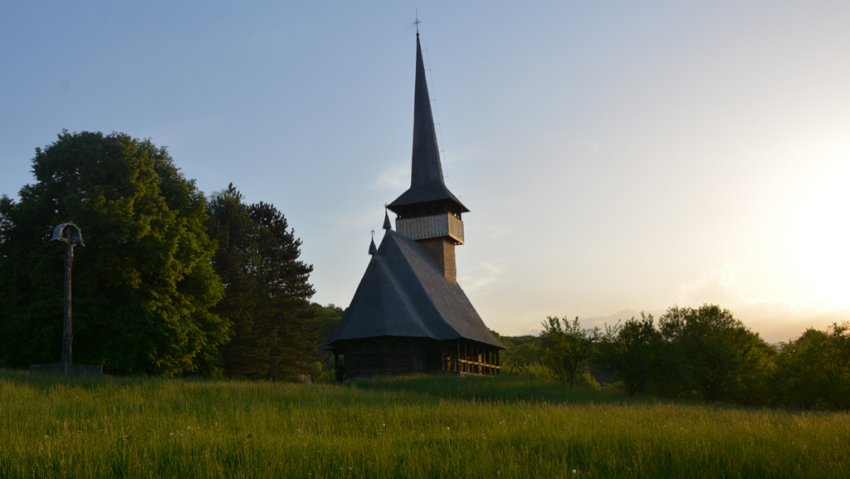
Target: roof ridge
(408,303)
(403,294)
(423,255)
(395,236)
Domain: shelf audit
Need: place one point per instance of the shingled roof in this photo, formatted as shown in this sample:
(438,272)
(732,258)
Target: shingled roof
(426,178)
(404,294)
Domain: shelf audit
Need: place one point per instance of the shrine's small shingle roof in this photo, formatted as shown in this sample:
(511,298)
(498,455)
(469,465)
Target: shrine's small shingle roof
(403,293)
(426,177)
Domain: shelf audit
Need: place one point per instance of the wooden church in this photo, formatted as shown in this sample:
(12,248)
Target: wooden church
(409,315)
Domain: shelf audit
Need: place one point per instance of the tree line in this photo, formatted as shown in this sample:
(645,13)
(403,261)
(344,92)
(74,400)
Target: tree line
(693,352)
(170,282)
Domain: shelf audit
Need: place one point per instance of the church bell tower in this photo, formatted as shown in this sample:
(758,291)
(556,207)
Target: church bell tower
(428,212)
(409,314)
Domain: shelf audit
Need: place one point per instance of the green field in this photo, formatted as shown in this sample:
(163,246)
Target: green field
(428,427)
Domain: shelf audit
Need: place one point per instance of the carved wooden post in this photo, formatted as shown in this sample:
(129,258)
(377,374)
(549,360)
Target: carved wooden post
(67,329)
(71,235)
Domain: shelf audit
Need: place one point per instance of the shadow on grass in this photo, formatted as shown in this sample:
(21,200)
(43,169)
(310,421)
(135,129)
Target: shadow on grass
(504,389)
(47,380)
(420,389)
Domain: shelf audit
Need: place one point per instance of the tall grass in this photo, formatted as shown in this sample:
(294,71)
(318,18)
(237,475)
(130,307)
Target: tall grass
(439,427)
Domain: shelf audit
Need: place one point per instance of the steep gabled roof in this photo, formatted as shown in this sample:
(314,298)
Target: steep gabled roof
(426,178)
(404,294)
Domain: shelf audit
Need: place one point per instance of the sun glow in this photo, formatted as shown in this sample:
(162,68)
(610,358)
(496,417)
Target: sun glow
(813,235)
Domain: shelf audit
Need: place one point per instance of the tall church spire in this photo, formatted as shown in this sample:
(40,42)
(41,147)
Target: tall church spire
(426,156)
(428,212)
(409,314)
(426,177)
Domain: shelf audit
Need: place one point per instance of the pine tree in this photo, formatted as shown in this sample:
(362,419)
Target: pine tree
(294,352)
(235,260)
(266,290)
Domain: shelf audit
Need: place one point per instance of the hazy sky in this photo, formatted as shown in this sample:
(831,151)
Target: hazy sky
(614,155)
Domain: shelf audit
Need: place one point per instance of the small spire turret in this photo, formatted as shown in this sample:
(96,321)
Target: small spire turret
(387,224)
(373,250)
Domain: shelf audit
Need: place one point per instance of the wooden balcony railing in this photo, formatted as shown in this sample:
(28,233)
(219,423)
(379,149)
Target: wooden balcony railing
(434,226)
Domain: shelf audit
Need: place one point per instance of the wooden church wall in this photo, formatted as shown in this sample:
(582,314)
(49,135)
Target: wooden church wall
(387,356)
(390,356)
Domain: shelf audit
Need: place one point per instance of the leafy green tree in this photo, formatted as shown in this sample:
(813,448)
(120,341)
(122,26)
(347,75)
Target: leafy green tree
(520,356)
(566,347)
(143,285)
(755,383)
(632,351)
(815,368)
(327,319)
(714,349)
(266,290)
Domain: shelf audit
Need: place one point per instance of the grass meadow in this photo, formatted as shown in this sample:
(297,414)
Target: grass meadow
(418,427)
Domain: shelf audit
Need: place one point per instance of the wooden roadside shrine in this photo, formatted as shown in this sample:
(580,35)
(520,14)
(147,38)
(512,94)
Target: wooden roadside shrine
(71,235)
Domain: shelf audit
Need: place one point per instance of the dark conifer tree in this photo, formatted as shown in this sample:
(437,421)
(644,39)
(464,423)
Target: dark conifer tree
(287,317)
(235,260)
(266,290)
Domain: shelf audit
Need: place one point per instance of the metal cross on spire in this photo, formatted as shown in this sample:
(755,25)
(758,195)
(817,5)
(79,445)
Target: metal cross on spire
(417,22)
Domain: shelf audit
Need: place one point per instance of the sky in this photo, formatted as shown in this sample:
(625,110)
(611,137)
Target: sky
(616,157)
